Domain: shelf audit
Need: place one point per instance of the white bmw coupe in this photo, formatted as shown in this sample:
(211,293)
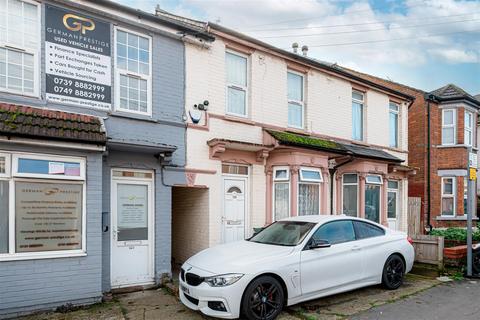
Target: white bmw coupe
(291,261)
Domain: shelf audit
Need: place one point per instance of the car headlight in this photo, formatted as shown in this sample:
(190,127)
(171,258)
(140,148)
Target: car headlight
(223,280)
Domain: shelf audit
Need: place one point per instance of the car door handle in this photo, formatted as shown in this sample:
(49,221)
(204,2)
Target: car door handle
(356,248)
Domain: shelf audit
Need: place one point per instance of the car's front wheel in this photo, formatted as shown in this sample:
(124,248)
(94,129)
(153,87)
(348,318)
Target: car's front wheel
(393,272)
(263,299)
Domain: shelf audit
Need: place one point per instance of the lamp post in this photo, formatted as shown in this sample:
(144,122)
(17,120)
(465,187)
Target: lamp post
(471,197)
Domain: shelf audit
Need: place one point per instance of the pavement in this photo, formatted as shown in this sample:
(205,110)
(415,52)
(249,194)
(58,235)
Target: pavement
(459,300)
(162,305)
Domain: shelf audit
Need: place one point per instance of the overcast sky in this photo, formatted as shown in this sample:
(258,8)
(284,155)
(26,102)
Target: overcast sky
(421,43)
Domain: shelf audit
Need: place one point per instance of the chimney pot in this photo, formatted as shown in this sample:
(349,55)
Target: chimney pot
(158,9)
(295,47)
(305,50)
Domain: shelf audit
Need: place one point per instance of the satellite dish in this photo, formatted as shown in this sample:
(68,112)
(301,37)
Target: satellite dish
(195,115)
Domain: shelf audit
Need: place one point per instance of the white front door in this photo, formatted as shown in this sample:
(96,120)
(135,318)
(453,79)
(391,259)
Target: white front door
(234,209)
(132,254)
(392,209)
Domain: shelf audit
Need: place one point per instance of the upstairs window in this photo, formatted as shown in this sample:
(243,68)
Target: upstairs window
(19,46)
(309,191)
(295,100)
(394,110)
(236,68)
(468,128)
(449,127)
(357,115)
(133,72)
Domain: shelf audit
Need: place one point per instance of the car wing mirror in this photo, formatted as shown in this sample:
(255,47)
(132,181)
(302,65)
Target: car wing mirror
(257,231)
(321,243)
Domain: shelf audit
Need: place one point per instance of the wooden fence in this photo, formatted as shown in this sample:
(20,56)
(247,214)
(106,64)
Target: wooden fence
(428,249)
(413,218)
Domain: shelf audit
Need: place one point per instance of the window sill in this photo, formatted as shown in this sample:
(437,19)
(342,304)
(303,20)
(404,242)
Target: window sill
(238,118)
(453,218)
(297,130)
(136,116)
(442,146)
(40,256)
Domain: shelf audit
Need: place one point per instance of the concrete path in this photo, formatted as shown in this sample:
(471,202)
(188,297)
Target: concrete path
(453,301)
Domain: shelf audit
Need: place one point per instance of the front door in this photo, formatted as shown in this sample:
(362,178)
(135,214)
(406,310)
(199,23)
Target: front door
(132,254)
(234,209)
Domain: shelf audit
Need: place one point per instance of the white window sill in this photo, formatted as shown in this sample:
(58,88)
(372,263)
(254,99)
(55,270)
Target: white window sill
(453,218)
(442,146)
(39,256)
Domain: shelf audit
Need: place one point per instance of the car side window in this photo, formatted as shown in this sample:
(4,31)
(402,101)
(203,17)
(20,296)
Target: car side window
(336,232)
(364,230)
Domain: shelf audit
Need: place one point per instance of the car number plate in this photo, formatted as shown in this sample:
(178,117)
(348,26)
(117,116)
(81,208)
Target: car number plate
(184,289)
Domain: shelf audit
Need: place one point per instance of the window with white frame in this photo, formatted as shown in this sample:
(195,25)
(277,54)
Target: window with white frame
(295,100)
(236,68)
(394,111)
(449,127)
(309,191)
(448,196)
(19,46)
(357,115)
(42,206)
(281,193)
(350,194)
(468,128)
(133,72)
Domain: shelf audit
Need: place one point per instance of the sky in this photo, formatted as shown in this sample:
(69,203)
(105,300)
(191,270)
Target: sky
(421,43)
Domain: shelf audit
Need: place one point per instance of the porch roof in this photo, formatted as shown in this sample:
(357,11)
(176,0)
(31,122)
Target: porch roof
(39,123)
(309,142)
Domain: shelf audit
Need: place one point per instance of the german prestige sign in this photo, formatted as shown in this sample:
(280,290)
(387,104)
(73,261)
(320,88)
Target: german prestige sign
(77,59)
(48,216)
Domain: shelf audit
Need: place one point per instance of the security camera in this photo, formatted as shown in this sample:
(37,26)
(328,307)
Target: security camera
(203,106)
(206,103)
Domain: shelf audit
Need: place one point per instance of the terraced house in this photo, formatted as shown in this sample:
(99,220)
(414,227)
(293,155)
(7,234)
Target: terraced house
(283,135)
(91,141)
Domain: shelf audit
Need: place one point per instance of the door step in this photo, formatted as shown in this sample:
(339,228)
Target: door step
(133,289)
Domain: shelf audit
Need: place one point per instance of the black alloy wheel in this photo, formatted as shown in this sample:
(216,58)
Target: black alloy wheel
(263,299)
(393,272)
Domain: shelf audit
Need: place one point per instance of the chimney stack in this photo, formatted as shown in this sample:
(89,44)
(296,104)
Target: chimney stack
(295,47)
(158,10)
(305,50)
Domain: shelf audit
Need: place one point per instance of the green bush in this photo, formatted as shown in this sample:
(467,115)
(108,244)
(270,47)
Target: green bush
(458,234)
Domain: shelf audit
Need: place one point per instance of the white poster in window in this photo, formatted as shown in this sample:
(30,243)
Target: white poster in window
(56,168)
(48,216)
(132,206)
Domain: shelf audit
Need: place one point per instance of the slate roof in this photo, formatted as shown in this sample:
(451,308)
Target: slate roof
(309,142)
(477,97)
(452,92)
(37,123)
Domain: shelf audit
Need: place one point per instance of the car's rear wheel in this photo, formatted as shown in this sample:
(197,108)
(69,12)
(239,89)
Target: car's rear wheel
(393,272)
(263,299)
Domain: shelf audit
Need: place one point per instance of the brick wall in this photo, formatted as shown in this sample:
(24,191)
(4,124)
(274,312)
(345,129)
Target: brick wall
(190,208)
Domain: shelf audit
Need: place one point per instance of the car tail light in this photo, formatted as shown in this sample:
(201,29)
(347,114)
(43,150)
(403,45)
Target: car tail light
(409,239)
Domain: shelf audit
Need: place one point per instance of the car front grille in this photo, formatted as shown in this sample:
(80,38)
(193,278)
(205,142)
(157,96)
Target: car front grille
(191,299)
(193,279)
(182,274)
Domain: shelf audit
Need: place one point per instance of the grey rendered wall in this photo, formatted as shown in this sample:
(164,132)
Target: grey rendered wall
(42,284)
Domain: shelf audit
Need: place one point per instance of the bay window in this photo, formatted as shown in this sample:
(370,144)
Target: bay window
(394,110)
(295,100)
(236,69)
(281,193)
(42,206)
(350,195)
(372,197)
(449,127)
(468,128)
(448,196)
(309,191)
(133,72)
(357,115)
(19,46)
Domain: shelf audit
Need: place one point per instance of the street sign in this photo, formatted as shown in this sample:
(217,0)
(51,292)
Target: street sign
(472,160)
(473,174)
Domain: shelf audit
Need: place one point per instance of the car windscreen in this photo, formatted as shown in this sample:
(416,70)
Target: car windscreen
(284,233)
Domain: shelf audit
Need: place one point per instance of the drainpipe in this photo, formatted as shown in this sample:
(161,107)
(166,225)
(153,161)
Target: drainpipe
(429,98)
(332,174)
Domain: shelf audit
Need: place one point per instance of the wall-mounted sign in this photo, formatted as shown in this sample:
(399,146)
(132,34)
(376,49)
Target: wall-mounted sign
(472,160)
(48,216)
(77,59)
